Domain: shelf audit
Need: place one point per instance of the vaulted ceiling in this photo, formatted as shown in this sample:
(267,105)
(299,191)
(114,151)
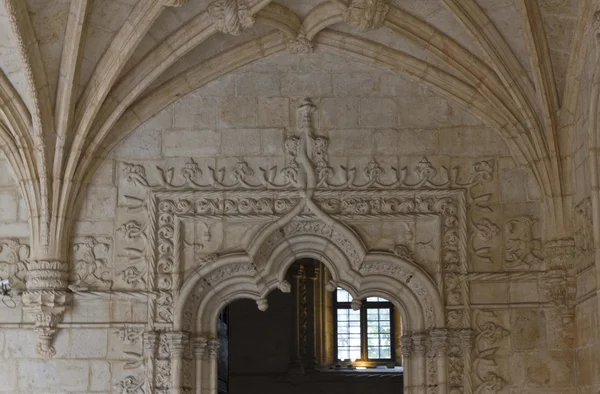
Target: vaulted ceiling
(78,75)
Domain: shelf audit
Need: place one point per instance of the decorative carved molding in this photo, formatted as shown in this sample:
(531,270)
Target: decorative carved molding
(231,16)
(129,335)
(484,232)
(130,385)
(366,14)
(487,342)
(91,264)
(584,226)
(14,257)
(521,249)
(391,270)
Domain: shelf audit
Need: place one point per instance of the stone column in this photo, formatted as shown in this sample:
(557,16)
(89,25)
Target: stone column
(199,346)
(417,363)
(467,340)
(46,300)
(213,355)
(150,347)
(297,362)
(407,349)
(178,342)
(439,345)
(316,331)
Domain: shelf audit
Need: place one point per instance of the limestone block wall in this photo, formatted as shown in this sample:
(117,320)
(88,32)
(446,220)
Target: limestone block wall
(587,344)
(519,341)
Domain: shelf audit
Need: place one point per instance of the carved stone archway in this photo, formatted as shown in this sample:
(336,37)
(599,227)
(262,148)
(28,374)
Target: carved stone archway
(305,210)
(406,285)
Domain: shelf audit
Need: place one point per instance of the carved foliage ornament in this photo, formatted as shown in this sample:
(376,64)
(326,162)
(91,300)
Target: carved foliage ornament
(13,262)
(367,14)
(231,16)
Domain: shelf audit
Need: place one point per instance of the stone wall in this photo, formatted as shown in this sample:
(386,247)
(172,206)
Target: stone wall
(241,122)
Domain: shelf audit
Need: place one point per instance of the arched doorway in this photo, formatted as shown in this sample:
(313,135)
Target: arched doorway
(383,275)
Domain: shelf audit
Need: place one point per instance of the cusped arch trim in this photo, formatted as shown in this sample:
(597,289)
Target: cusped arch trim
(235,277)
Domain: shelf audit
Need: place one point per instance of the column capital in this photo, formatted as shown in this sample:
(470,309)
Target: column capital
(467,338)
(407,345)
(439,339)
(178,341)
(213,348)
(151,339)
(199,345)
(46,300)
(419,342)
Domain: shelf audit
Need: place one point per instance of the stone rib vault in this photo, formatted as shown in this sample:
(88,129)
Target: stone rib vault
(164,158)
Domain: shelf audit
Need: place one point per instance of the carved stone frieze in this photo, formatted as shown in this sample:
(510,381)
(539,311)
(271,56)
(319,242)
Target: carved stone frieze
(91,264)
(484,231)
(231,16)
(14,257)
(130,385)
(489,334)
(522,250)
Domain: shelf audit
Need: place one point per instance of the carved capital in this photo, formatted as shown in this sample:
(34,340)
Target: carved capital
(151,339)
(178,342)
(47,274)
(213,348)
(199,345)
(560,253)
(439,340)
(231,16)
(407,345)
(366,14)
(467,339)
(419,342)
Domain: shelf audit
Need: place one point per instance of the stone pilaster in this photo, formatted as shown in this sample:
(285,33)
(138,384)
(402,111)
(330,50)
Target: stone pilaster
(46,300)
(178,342)
(199,345)
(439,347)
(151,339)
(467,342)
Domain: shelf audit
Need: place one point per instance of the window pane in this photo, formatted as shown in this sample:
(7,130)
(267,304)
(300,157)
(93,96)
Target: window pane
(348,334)
(376,299)
(343,296)
(379,333)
